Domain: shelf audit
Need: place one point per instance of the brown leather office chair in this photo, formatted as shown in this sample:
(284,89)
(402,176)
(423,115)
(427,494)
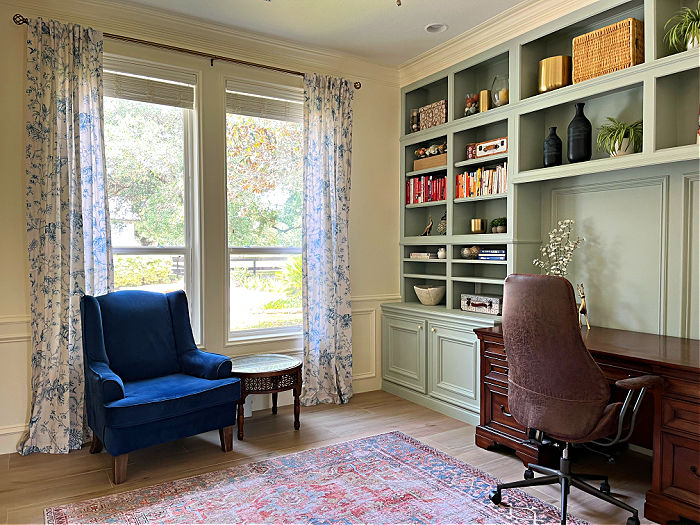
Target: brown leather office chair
(555,387)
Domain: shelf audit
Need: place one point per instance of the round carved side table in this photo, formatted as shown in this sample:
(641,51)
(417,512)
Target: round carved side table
(267,374)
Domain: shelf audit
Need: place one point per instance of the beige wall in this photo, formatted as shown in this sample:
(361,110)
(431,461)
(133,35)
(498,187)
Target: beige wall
(374,216)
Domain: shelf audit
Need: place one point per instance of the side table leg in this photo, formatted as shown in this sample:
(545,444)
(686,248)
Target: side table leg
(296,408)
(274,403)
(241,401)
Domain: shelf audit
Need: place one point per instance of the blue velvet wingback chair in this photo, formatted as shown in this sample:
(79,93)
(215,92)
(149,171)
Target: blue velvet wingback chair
(145,380)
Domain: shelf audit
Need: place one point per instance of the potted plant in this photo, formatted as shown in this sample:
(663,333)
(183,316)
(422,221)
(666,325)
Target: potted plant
(498,225)
(619,138)
(683,29)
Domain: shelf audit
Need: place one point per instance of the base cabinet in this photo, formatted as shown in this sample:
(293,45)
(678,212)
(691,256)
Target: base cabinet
(430,356)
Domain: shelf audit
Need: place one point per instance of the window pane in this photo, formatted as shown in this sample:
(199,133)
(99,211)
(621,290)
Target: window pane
(144,146)
(155,273)
(265,291)
(264,172)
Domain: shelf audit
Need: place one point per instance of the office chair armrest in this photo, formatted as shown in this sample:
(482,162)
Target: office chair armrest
(637,383)
(206,365)
(110,385)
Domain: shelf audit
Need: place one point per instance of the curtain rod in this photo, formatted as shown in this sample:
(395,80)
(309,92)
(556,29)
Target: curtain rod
(19,20)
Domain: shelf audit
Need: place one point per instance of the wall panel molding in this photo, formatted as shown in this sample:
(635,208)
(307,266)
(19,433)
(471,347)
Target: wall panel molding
(371,314)
(14,329)
(662,183)
(690,241)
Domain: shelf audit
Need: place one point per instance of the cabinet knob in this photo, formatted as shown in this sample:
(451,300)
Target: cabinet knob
(420,327)
(433,329)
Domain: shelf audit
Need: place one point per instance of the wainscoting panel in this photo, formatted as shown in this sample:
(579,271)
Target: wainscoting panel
(14,379)
(690,309)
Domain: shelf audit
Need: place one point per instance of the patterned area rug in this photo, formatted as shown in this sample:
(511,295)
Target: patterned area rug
(389,478)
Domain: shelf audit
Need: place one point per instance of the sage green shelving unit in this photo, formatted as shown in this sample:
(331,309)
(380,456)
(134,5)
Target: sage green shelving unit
(663,92)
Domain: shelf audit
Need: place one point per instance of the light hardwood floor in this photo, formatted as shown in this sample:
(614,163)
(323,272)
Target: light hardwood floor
(28,484)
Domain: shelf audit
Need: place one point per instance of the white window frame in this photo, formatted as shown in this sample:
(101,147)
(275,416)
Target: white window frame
(256,335)
(192,247)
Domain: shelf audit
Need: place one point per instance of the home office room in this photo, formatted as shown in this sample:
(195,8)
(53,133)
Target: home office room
(275,261)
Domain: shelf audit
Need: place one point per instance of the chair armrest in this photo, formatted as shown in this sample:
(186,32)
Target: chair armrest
(109,384)
(636,383)
(206,364)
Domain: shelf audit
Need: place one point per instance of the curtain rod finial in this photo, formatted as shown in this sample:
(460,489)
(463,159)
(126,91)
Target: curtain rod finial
(19,19)
(357,85)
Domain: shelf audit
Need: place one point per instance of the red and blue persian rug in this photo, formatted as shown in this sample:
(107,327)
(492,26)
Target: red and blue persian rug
(389,478)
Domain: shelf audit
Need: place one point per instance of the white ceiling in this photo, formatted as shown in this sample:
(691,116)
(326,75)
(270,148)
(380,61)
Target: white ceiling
(377,30)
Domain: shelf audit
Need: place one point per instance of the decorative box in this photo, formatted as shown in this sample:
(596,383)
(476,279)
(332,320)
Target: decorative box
(611,48)
(484,304)
(430,162)
(433,114)
(471,151)
(491,147)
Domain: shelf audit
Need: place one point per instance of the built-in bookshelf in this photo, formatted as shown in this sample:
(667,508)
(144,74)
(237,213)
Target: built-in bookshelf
(663,92)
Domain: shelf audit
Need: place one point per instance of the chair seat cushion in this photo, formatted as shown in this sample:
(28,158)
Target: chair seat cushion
(169,396)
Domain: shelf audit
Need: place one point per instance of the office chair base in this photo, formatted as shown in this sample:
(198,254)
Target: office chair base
(566,479)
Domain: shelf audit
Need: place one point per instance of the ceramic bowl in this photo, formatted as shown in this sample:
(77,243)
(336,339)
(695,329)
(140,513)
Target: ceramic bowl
(429,294)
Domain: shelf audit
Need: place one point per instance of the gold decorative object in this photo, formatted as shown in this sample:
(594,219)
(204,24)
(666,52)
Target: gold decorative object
(555,72)
(484,100)
(478,225)
(582,310)
(428,228)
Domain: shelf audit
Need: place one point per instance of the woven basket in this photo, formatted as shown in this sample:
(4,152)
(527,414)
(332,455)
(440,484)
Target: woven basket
(617,46)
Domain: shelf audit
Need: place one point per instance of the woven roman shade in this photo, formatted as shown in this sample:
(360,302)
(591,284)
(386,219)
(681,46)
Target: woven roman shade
(263,100)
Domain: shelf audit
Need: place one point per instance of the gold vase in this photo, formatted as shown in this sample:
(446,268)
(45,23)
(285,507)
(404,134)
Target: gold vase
(478,225)
(555,72)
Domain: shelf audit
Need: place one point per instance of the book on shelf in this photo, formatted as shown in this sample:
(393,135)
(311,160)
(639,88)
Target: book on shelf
(422,255)
(482,181)
(492,251)
(492,257)
(427,188)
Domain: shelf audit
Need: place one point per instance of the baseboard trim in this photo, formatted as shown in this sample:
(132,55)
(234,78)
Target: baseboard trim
(462,414)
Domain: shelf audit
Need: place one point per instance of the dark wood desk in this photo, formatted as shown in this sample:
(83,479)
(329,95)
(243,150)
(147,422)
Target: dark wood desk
(669,421)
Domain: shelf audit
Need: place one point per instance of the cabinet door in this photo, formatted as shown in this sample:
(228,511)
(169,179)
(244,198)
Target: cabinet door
(454,365)
(403,352)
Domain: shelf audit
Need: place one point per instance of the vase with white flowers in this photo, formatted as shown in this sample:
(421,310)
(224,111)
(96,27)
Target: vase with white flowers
(556,255)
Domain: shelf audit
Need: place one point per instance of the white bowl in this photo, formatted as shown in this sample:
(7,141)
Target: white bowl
(429,294)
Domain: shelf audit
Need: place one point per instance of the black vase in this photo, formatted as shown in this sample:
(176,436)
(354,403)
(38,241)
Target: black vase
(579,137)
(552,149)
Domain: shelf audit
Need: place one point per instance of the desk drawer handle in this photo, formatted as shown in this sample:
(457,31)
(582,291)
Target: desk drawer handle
(694,470)
(507,414)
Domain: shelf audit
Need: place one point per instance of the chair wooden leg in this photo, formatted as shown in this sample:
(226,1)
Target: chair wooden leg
(226,437)
(96,445)
(119,468)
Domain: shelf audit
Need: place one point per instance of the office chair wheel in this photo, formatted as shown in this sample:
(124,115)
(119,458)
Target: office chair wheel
(605,487)
(633,520)
(495,497)
(529,474)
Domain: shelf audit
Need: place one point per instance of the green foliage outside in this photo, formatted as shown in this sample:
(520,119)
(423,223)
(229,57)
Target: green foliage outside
(141,270)
(289,286)
(264,181)
(144,146)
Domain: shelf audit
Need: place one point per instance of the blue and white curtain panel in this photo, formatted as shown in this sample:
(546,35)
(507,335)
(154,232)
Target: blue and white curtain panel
(67,222)
(326,263)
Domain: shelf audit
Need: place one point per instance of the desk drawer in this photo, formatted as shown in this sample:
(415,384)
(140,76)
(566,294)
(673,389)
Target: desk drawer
(495,370)
(498,415)
(681,415)
(682,387)
(680,471)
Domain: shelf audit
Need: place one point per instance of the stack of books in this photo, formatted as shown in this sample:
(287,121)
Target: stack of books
(483,181)
(492,255)
(425,189)
(422,255)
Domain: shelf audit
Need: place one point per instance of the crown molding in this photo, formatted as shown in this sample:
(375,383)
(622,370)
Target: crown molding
(125,18)
(513,22)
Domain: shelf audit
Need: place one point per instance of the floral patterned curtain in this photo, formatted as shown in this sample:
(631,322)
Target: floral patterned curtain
(67,222)
(326,264)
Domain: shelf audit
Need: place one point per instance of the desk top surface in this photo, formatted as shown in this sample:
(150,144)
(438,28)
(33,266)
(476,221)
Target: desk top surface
(655,349)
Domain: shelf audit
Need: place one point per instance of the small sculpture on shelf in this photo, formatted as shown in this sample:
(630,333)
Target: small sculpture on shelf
(470,253)
(442,225)
(428,228)
(415,121)
(471,104)
(433,149)
(582,309)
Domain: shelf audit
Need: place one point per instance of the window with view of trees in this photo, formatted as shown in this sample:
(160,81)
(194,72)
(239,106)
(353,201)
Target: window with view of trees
(147,127)
(264,148)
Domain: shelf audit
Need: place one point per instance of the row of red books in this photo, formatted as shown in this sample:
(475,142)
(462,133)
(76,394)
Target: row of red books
(483,181)
(425,189)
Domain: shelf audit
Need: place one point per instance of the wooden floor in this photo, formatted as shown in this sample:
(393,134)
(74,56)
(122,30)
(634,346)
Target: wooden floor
(28,484)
